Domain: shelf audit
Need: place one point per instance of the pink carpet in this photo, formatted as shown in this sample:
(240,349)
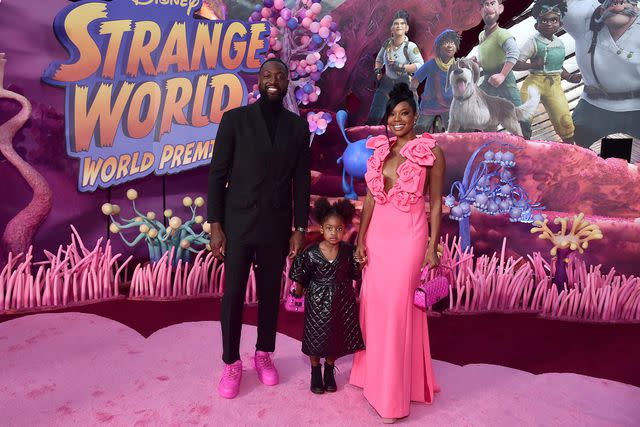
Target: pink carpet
(82,369)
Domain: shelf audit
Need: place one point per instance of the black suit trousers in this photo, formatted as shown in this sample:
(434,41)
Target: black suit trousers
(268,260)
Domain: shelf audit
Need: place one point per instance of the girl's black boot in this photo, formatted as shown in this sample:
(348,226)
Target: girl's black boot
(329,380)
(317,386)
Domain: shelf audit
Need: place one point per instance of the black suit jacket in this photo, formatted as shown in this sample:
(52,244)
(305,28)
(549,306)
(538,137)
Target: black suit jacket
(263,177)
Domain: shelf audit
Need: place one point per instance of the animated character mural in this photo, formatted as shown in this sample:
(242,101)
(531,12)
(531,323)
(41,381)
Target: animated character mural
(473,109)
(497,54)
(364,27)
(607,40)
(546,53)
(437,94)
(399,58)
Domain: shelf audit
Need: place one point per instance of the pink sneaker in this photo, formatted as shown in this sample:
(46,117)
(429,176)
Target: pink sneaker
(267,372)
(229,385)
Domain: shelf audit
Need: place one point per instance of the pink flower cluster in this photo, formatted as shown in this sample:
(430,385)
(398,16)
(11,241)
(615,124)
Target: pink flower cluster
(337,56)
(318,122)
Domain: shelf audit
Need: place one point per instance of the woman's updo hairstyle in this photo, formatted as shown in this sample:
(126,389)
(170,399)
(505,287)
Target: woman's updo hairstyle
(399,93)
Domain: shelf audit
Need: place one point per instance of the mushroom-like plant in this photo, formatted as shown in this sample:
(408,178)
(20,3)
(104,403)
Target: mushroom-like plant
(178,235)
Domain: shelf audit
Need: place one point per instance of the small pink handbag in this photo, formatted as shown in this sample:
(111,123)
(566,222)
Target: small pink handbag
(431,291)
(294,303)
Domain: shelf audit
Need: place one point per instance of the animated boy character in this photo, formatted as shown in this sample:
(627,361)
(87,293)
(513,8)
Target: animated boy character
(437,94)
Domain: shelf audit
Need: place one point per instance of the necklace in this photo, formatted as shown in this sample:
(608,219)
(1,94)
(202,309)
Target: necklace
(396,47)
(392,49)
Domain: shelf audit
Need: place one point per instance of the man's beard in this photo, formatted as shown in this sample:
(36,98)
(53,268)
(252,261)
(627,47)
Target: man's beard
(490,20)
(629,11)
(265,96)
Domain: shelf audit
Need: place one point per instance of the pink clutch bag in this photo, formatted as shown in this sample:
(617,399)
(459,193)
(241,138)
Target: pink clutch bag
(294,303)
(431,291)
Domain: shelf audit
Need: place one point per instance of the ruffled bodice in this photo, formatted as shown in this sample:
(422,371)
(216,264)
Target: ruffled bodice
(408,187)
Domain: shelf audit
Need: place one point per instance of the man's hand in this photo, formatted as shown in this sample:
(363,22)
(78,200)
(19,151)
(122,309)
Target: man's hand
(496,80)
(295,243)
(575,77)
(218,241)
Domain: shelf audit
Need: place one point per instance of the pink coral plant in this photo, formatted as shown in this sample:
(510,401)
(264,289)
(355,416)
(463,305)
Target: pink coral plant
(496,283)
(73,275)
(499,284)
(204,277)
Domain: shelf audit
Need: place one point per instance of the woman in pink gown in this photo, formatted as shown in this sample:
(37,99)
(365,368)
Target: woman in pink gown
(393,241)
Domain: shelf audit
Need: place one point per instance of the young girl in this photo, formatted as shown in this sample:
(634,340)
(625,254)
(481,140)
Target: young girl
(327,270)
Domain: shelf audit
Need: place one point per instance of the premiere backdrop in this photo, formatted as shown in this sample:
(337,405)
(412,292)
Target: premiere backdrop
(127,94)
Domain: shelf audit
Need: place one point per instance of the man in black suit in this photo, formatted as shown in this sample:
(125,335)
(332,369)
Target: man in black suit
(261,161)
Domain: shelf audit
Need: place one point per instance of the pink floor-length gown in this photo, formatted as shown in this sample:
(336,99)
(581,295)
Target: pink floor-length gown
(395,367)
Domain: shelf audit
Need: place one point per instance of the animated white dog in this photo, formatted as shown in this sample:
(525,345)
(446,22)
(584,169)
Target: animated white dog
(473,109)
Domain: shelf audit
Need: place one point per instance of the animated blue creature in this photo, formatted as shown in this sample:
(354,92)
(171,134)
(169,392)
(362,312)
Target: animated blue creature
(354,159)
